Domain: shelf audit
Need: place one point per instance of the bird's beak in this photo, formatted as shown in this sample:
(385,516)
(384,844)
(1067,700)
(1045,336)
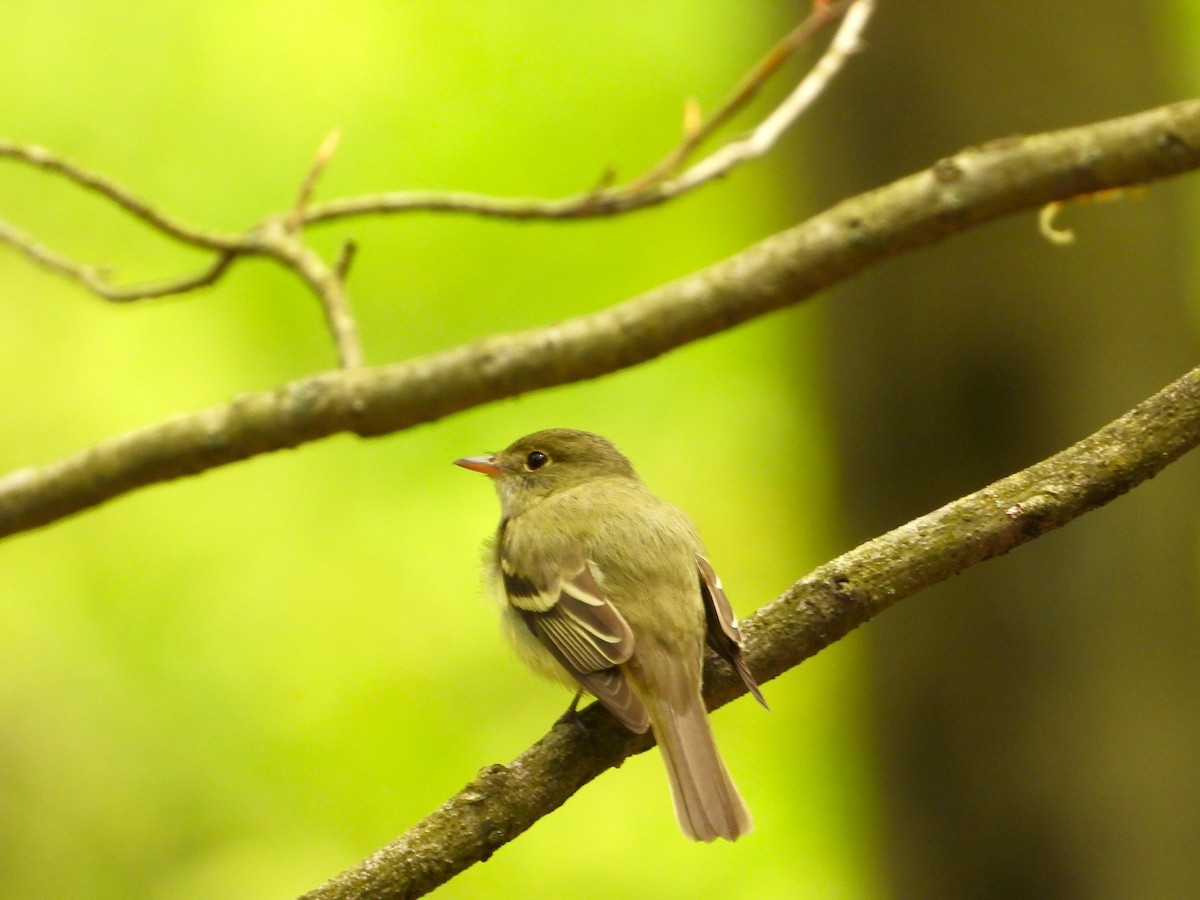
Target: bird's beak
(485,464)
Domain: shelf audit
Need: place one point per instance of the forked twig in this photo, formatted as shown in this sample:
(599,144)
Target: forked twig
(95,280)
(697,132)
(278,236)
(653,187)
(41,158)
(845,43)
(268,239)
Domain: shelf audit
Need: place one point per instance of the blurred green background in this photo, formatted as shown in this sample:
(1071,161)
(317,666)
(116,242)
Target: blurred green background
(238,684)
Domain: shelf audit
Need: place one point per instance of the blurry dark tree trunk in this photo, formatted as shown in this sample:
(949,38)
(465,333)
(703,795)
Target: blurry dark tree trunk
(1037,719)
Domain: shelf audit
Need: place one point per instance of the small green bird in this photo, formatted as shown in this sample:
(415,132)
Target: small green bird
(605,587)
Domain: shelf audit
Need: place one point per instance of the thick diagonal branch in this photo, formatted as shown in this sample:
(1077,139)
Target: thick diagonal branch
(503,801)
(974,186)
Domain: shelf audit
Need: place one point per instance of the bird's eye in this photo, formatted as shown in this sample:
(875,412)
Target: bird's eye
(535,460)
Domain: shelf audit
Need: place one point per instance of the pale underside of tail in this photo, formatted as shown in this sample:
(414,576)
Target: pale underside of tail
(707,803)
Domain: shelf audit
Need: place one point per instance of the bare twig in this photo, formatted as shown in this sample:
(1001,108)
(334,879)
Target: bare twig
(503,801)
(42,158)
(845,43)
(270,239)
(590,204)
(971,187)
(606,199)
(275,240)
(345,259)
(95,280)
(324,156)
(700,131)
(654,187)
(277,236)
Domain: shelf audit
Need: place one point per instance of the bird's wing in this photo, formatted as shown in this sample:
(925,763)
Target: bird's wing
(724,636)
(568,612)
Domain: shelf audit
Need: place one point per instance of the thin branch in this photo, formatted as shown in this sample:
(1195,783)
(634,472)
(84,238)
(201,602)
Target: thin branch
(845,43)
(41,158)
(345,259)
(271,239)
(504,801)
(956,193)
(644,191)
(277,236)
(745,91)
(653,187)
(590,204)
(275,240)
(320,163)
(95,280)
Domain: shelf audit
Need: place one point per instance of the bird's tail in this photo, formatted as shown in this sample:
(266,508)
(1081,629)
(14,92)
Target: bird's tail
(707,803)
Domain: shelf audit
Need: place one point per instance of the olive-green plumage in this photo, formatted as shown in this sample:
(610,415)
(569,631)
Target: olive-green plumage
(605,587)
